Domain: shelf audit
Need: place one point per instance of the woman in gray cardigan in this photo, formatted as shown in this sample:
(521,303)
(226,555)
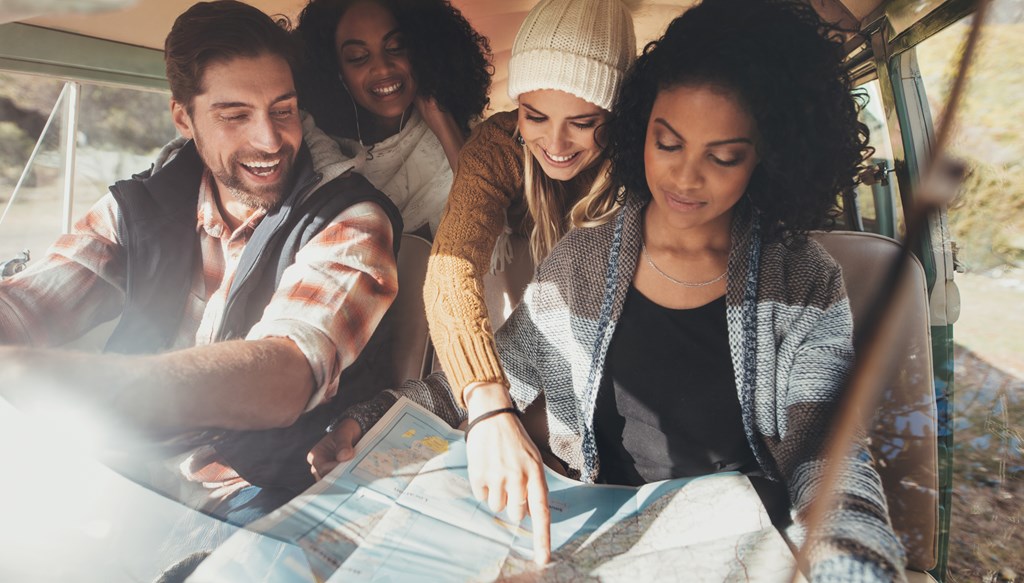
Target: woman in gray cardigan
(698,330)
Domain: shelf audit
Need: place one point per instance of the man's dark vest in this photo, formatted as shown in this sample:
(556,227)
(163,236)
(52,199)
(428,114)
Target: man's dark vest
(157,227)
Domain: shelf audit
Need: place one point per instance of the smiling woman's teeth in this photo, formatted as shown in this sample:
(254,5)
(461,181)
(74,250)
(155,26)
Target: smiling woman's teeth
(385,91)
(560,158)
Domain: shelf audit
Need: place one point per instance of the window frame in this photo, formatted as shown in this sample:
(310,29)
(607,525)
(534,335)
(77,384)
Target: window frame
(912,132)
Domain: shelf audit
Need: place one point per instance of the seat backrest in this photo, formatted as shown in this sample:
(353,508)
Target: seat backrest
(903,436)
(410,349)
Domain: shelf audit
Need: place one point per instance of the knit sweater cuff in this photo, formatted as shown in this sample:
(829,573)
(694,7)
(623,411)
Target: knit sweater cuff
(368,413)
(471,359)
(849,569)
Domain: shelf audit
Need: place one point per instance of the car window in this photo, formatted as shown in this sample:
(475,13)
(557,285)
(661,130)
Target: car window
(877,197)
(118,134)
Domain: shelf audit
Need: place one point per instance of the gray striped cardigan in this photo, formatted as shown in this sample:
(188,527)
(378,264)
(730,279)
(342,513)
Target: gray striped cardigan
(790,335)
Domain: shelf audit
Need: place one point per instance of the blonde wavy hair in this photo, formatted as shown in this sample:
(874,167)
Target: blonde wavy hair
(547,202)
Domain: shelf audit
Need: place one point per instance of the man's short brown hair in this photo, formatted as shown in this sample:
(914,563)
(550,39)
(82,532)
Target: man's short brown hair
(217,31)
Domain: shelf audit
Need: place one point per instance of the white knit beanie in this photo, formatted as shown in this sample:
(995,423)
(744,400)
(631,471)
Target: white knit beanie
(582,47)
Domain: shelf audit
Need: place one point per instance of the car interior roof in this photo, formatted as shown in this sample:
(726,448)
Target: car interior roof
(145,23)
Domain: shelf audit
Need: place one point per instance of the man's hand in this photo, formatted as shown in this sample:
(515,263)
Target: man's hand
(336,447)
(505,467)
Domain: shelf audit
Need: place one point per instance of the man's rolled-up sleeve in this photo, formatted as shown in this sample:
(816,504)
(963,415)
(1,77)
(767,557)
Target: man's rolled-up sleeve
(332,298)
(77,285)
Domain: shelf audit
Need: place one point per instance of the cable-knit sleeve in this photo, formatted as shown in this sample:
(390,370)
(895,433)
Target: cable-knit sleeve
(489,179)
(432,393)
(814,357)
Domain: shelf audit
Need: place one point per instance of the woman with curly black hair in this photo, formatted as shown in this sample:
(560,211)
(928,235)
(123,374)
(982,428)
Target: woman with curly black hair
(810,143)
(729,332)
(398,84)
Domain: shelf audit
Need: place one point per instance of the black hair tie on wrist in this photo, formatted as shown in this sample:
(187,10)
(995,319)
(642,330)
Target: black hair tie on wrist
(488,415)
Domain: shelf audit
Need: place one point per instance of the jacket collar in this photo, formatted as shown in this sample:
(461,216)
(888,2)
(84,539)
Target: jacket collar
(175,185)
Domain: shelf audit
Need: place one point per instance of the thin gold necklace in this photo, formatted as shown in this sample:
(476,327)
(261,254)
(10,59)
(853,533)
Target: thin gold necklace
(647,256)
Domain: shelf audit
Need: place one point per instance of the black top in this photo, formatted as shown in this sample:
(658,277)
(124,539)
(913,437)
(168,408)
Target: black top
(667,407)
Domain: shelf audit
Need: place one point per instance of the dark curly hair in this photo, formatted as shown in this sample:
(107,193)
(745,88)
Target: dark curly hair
(450,60)
(784,64)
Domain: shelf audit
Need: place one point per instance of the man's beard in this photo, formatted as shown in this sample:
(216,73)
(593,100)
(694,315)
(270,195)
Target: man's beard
(261,196)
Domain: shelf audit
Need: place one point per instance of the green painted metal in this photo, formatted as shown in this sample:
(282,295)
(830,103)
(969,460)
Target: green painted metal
(912,154)
(891,89)
(885,217)
(942,365)
(904,15)
(42,51)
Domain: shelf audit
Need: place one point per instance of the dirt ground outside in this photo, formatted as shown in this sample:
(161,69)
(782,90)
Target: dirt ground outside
(987,524)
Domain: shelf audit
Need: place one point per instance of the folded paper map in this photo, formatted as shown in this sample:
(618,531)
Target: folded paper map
(402,510)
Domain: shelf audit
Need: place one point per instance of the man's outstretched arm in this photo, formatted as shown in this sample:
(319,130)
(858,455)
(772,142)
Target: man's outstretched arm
(241,384)
(318,321)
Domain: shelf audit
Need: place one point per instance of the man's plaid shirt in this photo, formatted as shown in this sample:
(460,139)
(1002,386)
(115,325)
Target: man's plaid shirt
(328,302)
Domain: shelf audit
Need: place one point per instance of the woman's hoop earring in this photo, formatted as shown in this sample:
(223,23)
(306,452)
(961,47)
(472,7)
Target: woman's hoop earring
(519,139)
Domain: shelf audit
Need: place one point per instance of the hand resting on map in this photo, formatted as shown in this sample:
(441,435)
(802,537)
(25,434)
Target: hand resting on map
(336,447)
(505,465)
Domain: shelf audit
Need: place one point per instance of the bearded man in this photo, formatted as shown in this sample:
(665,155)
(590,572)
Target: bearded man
(249,268)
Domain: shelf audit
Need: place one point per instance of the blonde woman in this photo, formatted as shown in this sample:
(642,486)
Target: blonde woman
(535,172)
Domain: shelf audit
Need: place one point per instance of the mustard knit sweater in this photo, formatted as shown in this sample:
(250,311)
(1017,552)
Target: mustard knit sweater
(487,188)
